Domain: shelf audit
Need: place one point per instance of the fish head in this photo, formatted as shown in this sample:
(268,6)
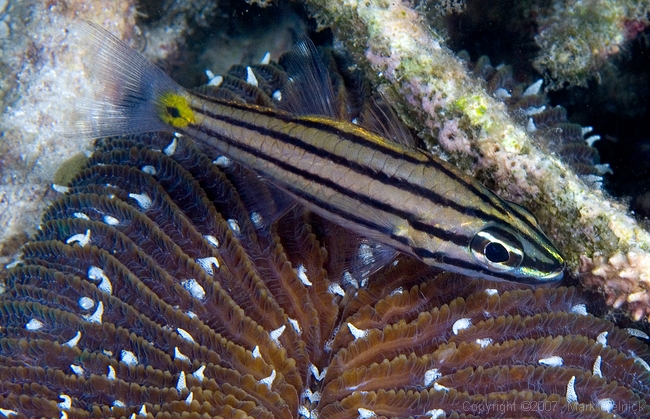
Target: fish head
(523,255)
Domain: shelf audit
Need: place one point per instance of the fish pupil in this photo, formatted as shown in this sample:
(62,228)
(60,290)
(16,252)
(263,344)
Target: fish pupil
(173,112)
(496,252)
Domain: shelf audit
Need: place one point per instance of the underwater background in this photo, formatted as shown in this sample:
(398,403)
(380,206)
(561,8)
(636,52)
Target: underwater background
(441,65)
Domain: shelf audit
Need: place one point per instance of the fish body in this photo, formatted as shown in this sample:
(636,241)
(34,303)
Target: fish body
(384,190)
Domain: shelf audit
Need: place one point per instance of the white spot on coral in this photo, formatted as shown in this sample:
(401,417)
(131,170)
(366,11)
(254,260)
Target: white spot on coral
(34,324)
(534,111)
(60,188)
(357,333)
(171,148)
(207,263)
(534,88)
(348,279)
(81,216)
(591,140)
(430,376)
(336,289)
(530,125)
(256,352)
(112,375)
(317,375)
(110,220)
(212,240)
(189,397)
(296,326)
(302,275)
(119,403)
(602,338)
(277,95)
(82,239)
(73,342)
(150,170)
(234,226)
(181,384)
(303,411)
(637,333)
(128,357)
(268,381)
(275,334)
(7,412)
(215,81)
(86,303)
(66,403)
(571,395)
(595,370)
(484,342)
(552,361)
(257,219)
(365,413)
(143,411)
(579,309)
(312,397)
(185,335)
(95,273)
(77,369)
(606,405)
(436,414)
(586,130)
(190,314)
(180,356)
(502,93)
(198,374)
(64,415)
(642,362)
(194,288)
(439,387)
(222,161)
(142,199)
(461,324)
(266,58)
(250,77)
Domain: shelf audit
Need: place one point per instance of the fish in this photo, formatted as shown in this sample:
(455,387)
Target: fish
(380,188)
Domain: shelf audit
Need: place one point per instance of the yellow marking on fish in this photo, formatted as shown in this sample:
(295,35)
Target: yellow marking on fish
(174,110)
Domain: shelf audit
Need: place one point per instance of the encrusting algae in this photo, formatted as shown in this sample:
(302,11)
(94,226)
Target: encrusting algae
(154,287)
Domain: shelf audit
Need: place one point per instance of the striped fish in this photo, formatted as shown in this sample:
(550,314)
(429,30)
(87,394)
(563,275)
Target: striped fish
(384,190)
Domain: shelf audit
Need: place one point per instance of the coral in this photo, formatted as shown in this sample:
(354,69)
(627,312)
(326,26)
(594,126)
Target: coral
(577,37)
(151,289)
(430,86)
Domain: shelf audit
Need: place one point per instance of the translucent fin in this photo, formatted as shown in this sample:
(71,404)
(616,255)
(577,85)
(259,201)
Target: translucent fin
(264,201)
(128,87)
(378,116)
(308,90)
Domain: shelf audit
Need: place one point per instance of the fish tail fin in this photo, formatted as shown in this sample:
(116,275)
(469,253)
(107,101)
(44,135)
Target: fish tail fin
(131,94)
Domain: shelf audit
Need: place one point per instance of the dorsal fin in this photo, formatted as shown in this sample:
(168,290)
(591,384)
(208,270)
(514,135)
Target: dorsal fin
(378,116)
(308,90)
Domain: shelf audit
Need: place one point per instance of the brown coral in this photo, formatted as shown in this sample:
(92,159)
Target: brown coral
(154,287)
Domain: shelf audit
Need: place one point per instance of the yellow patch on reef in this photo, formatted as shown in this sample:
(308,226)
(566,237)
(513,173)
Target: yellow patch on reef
(174,110)
(475,107)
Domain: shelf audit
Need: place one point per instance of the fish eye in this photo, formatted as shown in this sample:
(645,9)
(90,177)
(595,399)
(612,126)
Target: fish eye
(496,248)
(173,112)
